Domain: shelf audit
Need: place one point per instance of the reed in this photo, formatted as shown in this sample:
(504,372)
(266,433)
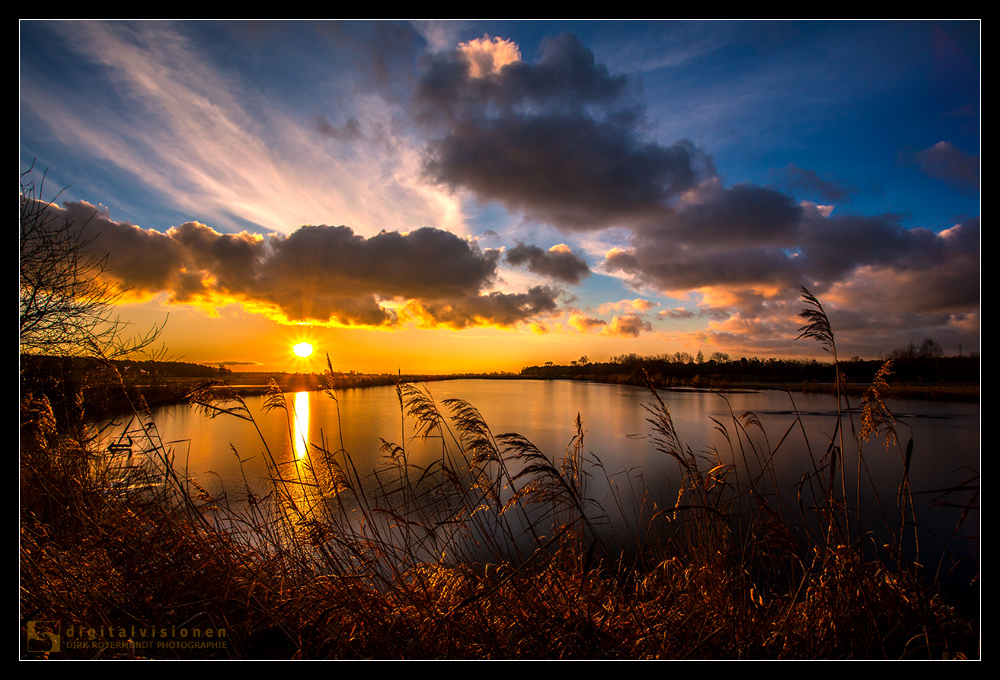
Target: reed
(492,550)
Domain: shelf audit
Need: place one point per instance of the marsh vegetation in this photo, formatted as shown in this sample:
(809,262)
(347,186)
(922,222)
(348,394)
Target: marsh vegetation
(492,549)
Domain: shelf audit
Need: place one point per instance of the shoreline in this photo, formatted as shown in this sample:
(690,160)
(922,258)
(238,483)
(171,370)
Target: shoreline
(173,390)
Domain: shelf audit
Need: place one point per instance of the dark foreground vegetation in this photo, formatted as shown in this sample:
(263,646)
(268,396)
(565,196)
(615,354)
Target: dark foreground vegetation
(492,551)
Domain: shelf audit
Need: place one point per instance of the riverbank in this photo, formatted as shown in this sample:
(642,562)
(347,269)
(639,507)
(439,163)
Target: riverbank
(173,390)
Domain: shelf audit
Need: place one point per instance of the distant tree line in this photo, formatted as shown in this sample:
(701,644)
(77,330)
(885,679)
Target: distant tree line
(923,364)
(928,349)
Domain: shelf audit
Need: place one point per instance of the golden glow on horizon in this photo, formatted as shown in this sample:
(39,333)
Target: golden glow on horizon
(302,350)
(248,342)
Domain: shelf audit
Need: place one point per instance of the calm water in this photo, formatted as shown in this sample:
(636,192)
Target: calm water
(219,452)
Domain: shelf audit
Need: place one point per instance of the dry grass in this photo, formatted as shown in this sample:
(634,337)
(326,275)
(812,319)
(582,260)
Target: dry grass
(493,551)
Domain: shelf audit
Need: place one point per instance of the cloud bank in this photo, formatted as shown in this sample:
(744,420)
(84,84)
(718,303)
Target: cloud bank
(318,274)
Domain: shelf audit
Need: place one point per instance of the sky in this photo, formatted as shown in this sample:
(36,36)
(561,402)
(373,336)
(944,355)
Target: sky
(477,196)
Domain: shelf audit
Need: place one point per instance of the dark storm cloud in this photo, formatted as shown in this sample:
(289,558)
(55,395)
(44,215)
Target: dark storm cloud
(317,273)
(557,263)
(232,260)
(743,236)
(662,267)
(560,140)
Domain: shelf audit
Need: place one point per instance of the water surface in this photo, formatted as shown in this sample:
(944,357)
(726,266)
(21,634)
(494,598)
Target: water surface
(792,432)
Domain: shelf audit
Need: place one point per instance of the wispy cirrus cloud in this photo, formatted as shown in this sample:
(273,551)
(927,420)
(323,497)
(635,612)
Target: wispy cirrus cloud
(221,148)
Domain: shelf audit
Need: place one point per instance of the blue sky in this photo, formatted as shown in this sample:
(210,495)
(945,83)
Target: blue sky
(547,189)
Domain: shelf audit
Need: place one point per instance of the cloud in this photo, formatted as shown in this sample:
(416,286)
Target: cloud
(744,215)
(922,285)
(486,56)
(946,162)
(204,140)
(636,306)
(585,324)
(349,131)
(944,279)
(871,272)
(558,262)
(756,238)
(630,325)
(561,140)
(678,313)
(492,309)
(808,182)
(564,141)
(320,274)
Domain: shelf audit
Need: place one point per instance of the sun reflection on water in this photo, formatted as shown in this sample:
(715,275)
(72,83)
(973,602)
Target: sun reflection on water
(301,425)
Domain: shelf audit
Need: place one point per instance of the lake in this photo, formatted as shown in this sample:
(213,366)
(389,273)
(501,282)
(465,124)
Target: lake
(220,453)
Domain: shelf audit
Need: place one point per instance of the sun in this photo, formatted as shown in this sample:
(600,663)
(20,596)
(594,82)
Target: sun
(303,349)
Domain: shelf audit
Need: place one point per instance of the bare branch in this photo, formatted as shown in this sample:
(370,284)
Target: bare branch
(66,307)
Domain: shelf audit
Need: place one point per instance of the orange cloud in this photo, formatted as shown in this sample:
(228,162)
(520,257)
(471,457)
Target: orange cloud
(317,274)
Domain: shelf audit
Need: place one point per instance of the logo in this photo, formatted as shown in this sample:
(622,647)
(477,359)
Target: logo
(43,636)
(51,637)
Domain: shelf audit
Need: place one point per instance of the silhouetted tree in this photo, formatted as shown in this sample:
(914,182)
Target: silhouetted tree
(930,349)
(65,306)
